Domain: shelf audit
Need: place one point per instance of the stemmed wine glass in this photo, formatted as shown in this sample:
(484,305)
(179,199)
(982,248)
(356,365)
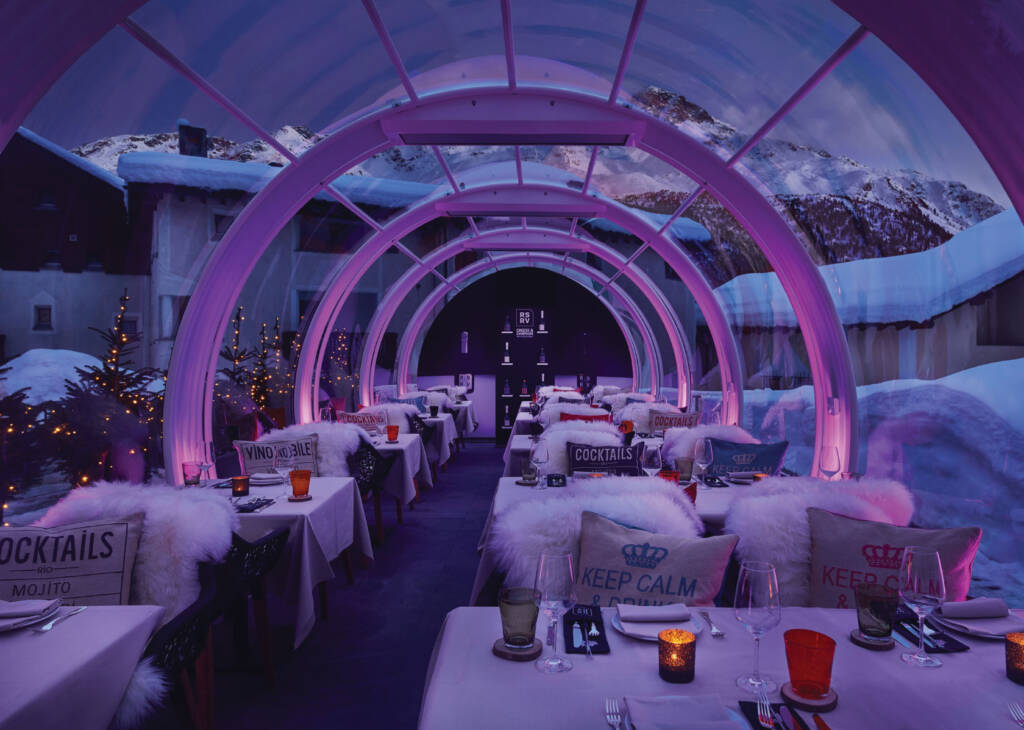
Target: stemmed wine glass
(923,589)
(652,460)
(703,458)
(284,462)
(829,463)
(539,457)
(758,608)
(555,586)
(206,459)
(326,414)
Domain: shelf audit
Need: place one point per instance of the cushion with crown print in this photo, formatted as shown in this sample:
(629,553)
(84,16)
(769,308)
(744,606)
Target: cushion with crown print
(846,551)
(620,564)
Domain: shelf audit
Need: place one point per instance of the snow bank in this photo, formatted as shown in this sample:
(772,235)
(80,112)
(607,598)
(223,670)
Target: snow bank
(43,372)
(910,288)
(684,229)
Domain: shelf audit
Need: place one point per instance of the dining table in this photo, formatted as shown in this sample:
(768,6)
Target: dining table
(439,445)
(74,675)
(319,530)
(409,474)
(465,417)
(712,505)
(468,686)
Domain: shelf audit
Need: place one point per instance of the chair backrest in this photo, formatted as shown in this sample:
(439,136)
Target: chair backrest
(181,640)
(252,560)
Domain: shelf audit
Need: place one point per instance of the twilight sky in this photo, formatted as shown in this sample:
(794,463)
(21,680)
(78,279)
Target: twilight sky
(311,62)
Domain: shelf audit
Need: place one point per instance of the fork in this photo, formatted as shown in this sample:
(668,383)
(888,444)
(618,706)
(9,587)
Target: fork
(53,622)
(715,631)
(612,714)
(764,711)
(1017,712)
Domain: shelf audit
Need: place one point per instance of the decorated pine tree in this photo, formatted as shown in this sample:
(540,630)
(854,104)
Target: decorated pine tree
(236,355)
(259,385)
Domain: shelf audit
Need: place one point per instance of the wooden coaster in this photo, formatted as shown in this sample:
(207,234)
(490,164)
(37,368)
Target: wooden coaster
(886,645)
(517,655)
(305,498)
(825,704)
(524,483)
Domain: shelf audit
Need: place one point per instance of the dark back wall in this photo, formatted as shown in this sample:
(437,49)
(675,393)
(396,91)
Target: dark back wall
(584,338)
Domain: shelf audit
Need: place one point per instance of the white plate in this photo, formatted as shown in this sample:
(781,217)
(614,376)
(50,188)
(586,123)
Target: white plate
(649,630)
(268,481)
(734,715)
(12,624)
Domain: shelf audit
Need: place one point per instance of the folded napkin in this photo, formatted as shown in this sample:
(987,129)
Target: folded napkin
(975,608)
(701,712)
(995,627)
(666,613)
(21,609)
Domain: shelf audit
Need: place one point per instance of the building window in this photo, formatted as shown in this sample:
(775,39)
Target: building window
(670,273)
(130,325)
(43,318)
(324,234)
(221,224)
(46,201)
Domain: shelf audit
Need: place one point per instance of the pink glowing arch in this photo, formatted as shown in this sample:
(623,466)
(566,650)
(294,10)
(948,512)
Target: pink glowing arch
(530,239)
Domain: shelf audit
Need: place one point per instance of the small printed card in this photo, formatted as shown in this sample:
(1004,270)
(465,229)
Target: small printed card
(935,642)
(583,624)
(556,480)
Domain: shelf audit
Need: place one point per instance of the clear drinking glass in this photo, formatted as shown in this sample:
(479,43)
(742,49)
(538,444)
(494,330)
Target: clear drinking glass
(327,414)
(556,589)
(652,461)
(923,589)
(758,608)
(702,458)
(539,457)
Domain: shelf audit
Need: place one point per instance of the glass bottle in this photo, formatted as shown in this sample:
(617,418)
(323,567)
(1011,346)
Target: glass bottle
(507,359)
(542,359)
(508,421)
(508,324)
(524,390)
(508,388)
(540,322)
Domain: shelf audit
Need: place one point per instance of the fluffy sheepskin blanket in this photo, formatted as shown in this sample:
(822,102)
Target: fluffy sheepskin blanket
(397,414)
(335,443)
(681,442)
(600,391)
(771,521)
(434,398)
(640,414)
(182,528)
(453,391)
(558,440)
(525,530)
(552,412)
(595,426)
(618,400)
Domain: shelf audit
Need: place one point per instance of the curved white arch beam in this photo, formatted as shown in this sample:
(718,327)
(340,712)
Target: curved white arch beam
(497,115)
(484,268)
(504,239)
(516,199)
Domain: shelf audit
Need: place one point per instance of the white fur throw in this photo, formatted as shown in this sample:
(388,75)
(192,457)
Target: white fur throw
(335,443)
(681,442)
(183,527)
(549,391)
(640,414)
(144,694)
(771,521)
(558,440)
(434,398)
(525,530)
(618,400)
(595,426)
(397,414)
(552,412)
(600,391)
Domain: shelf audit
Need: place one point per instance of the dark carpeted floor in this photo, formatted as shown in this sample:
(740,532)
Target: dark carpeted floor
(365,666)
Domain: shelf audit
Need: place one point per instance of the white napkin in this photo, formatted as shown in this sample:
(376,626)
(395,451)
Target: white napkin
(975,608)
(666,613)
(701,712)
(22,609)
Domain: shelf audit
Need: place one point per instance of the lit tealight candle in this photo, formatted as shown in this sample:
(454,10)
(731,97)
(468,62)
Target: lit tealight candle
(1015,656)
(239,486)
(676,655)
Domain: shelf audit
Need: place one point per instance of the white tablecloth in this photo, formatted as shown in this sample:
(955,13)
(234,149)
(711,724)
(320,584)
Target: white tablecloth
(318,531)
(712,505)
(439,449)
(465,418)
(412,463)
(517,449)
(467,686)
(522,423)
(73,676)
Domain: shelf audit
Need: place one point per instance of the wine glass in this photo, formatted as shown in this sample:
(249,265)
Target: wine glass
(923,589)
(327,414)
(652,460)
(206,458)
(829,463)
(555,586)
(539,457)
(703,457)
(758,608)
(284,462)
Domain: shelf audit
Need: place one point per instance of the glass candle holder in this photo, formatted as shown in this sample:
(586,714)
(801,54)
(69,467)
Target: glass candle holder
(240,486)
(300,481)
(1015,656)
(677,652)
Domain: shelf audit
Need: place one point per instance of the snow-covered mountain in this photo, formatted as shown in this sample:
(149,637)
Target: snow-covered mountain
(844,209)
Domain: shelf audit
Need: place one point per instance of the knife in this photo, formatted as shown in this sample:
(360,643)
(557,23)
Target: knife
(821,724)
(777,714)
(789,720)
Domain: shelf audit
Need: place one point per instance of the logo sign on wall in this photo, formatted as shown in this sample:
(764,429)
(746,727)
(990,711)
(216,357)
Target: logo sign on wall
(524,322)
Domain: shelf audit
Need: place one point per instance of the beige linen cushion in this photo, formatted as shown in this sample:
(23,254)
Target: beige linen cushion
(258,456)
(625,565)
(87,563)
(846,551)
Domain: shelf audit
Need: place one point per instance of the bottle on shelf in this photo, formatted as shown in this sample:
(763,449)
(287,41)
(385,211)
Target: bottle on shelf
(525,390)
(508,324)
(508,388)
(540,322)
(542,377)
(508,421)
(542,360)
(508,358)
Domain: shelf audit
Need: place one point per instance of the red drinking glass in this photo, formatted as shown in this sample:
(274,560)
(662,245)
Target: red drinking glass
(809,657)
(392,433)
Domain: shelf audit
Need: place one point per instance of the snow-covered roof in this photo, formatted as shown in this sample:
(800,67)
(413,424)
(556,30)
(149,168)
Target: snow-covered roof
(72,159)
(43,371)
(910,288)
(251,177)
(681,228)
